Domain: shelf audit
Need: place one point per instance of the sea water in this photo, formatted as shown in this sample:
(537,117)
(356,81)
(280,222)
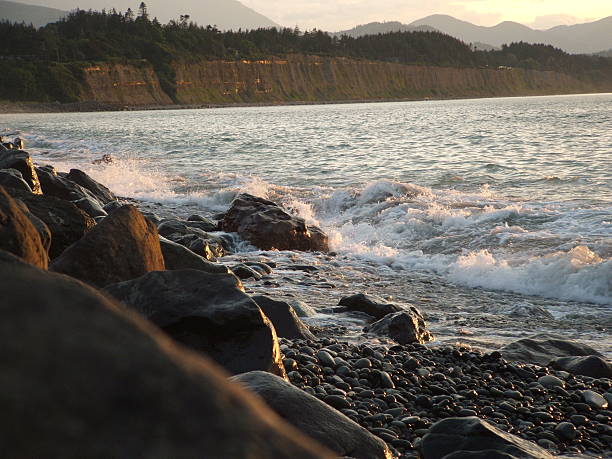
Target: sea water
(499,202)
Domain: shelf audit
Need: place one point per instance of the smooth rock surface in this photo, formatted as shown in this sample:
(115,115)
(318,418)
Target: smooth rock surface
(121,247)
(102,193)
(18,235)
(370,304)
(267,226)
(81,378)
(21,161)
(314,418)
(405,327)
(177,256)
(12,178)
(209,313)
(592,365)
(454,435)
(541,349)
(58,186)
(286,322)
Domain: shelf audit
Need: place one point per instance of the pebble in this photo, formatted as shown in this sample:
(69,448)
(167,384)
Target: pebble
(363,363)
(550,381)
(594,400)
(326,359)
(566,430)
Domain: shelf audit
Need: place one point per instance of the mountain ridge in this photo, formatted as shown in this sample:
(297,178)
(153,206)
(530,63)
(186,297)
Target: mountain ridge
(30,14)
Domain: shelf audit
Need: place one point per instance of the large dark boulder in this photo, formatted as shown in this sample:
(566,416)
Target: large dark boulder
(370,304)
(209,313)
(591,365)
(21,161)
(12,178)
(461,437)
(66,222)
(267,226)
(286,322)
(177,256)
(541,349)
(103,194)
(41,227)
(314,418)
(83,378)
(123,246)
(406,327)
(18,235)
(59,186)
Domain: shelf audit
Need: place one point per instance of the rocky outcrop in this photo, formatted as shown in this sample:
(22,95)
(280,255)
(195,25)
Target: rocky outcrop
(406,327)
(313,417)
(81,377)
(267,226)
(102,194)
(58,186)
(369,304)
(177,256)
(121,247)
(209,313)
(18,235)
(286,322)
(21,161)
(541,349)
(463,437)
(12,178)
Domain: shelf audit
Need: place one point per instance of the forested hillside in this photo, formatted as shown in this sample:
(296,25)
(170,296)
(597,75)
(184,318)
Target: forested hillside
(47,64)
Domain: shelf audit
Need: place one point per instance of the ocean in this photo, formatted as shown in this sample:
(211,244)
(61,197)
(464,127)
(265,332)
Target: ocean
(492,216)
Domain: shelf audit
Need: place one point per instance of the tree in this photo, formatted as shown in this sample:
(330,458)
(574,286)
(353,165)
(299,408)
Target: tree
(129,15)
(142,11)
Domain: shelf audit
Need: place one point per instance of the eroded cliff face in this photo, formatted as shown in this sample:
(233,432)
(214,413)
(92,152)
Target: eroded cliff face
(311,79)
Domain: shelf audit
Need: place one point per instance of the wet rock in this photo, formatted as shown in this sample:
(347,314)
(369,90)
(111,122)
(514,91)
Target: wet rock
(302,309)
(58,186)
(66,222)
(72,360)
(12,178)
(202,223)
(454,435)
(592,365)
(18,235)
(111,206)
(595,400)
(102,194)
(315,418)
(405,327)
(209,313)
(177,257)
(566,430)
(283,317)
(245,272)
(195,239)
(121,247)
(91,207)
(21,161)
(550,381)
(371,305)
(267,226)
(541,349)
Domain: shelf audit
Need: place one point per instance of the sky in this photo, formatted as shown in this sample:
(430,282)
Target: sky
(336,15)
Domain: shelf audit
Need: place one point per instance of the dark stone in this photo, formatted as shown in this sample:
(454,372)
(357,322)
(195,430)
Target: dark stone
(203,224)
(18,235)
(405,327)
(267,226)
(12,178)
(595,400)
(58,186)
(314,418)
(91,207)
(371,305)
(82,378)
(177,256)
(471,434)
(66,222)
(21,161)
(209,313)
(566,430)
(286,322)
(195,239)
(541,349)
(121,247)
(592,365)
(102,194)
(245,272)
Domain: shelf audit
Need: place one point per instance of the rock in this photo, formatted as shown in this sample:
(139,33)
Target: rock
(302,309)
(91,207)
(405,327)
(314,418)
(594,400)
(177,257)
(55,185)
(121,247)
(195,239)
(18,235)
(203,224)
(245,272)
(541,349)
(111,206)
(21,161)
(286,322)
(66,222)
(592,365)
(566,430)
(369,304)
(473,435)
(102,194)
(209,313)
(550,381)
(43,230)
(12,178)
(83,378)
(267,226)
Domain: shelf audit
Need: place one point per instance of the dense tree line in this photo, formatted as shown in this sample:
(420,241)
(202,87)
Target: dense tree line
(44,63)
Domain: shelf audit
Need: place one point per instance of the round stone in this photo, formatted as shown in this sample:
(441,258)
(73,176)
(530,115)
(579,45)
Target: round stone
(566,430)
(550,381)
(363,363)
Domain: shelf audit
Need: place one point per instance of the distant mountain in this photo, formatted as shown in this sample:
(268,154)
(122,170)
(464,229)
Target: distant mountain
(225,14)
(607,53)
(587,38)
(30,14)
(374,28)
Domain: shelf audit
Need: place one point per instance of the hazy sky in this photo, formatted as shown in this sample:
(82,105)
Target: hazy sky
(341,14)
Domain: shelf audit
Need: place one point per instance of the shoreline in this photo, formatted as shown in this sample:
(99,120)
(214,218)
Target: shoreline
(11,108)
